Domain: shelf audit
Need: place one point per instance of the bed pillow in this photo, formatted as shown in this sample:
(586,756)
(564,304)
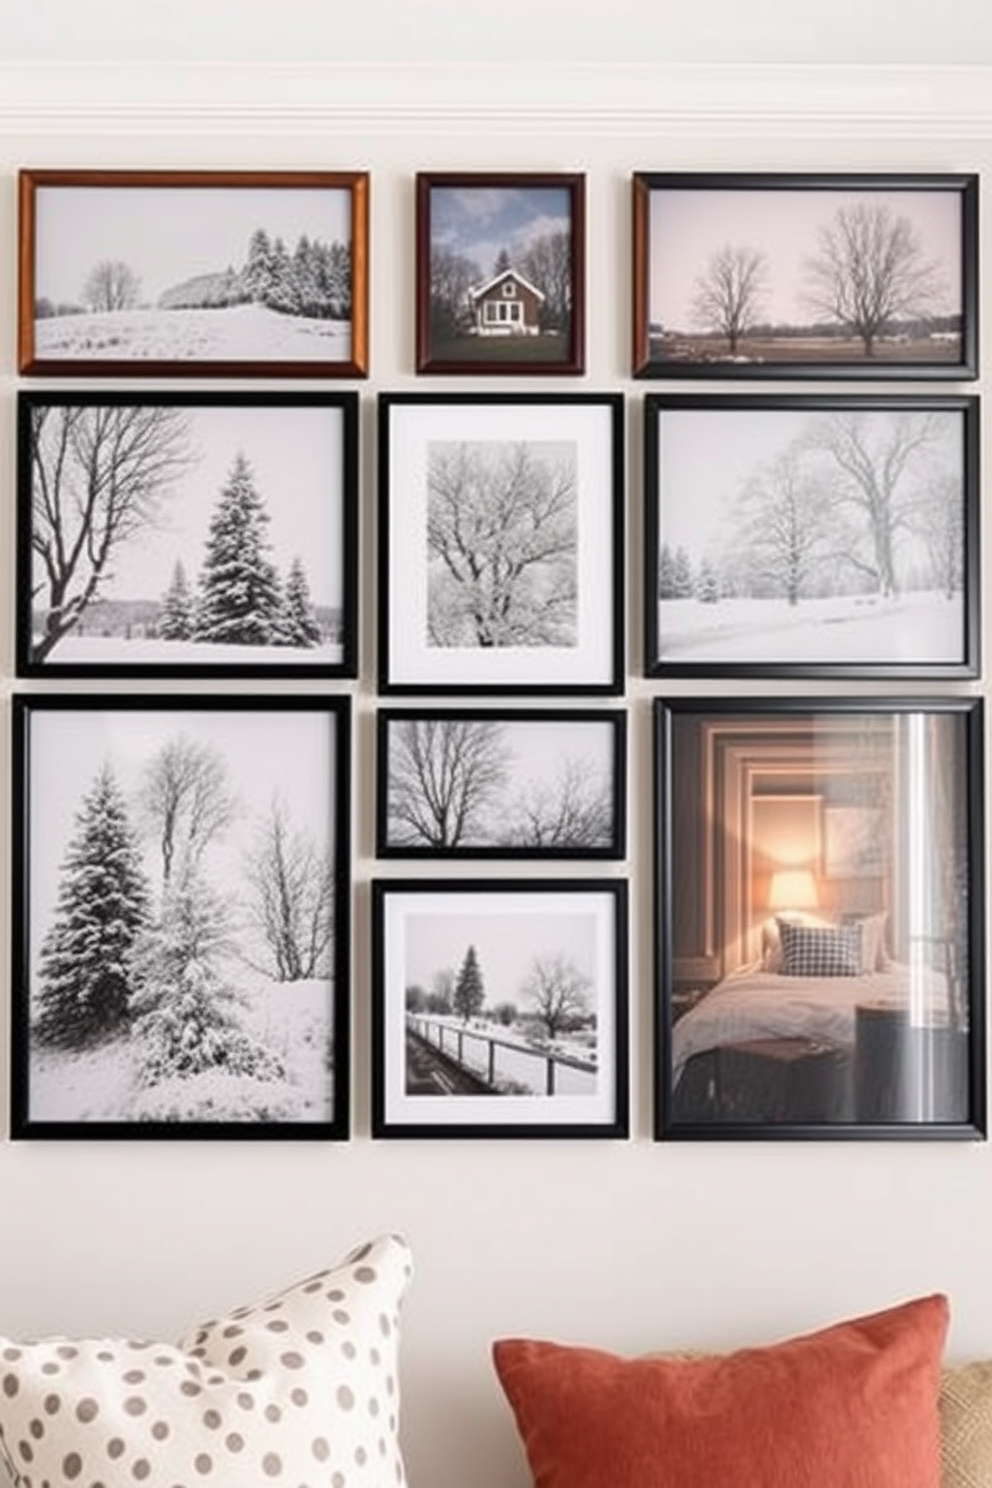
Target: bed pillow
(847,1406)
(873,953)
(771,940)
(299,1389)
(966,1424)
(809,951)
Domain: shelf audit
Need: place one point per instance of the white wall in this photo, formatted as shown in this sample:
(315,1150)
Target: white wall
(629,1245)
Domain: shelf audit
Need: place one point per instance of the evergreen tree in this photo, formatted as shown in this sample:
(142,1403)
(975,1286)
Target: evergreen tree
(667,578)
(256,276)
(683,584)
(240,599)
(85,972)
(176,620)
(707,588)
(281,293)
(470,993)
(502,262)
(300,626)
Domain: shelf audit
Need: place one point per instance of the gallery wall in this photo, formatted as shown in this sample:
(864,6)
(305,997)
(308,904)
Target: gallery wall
(630,1245)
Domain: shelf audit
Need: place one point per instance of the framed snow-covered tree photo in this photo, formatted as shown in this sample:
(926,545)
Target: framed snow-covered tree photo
(181,897)
(820,536)
(196,273)
(187,534)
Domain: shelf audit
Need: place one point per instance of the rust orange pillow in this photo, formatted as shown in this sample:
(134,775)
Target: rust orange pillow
(852,1406)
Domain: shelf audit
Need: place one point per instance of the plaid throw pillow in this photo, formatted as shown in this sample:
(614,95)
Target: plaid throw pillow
(814,951)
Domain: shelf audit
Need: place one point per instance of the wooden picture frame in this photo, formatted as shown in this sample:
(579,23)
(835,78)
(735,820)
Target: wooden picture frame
(137,273)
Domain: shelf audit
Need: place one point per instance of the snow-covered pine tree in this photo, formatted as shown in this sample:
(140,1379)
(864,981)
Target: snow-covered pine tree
(684,584)
(707,588)
(256,276)
(85,973)
(281,292)
(470,991)
(176,620)
(299,620)
(667,577)
(240,595)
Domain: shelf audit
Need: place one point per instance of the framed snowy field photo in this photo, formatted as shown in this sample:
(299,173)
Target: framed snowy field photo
(207,273)
(820,536)
(187,534)
(181,900)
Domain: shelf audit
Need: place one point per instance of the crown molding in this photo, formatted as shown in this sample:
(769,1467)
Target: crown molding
(682,101)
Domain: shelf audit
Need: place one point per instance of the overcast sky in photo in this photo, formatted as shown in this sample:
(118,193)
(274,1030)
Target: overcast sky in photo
(688,226)
(506,942)
(478,221)
(166,235)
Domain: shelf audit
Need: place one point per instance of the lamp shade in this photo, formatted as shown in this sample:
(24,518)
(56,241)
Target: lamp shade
(793,888)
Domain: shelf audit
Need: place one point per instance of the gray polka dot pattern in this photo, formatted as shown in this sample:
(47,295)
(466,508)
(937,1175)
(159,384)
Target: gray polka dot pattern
(291,1391)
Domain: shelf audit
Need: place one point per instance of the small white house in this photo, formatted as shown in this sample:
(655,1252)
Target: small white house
(506,305)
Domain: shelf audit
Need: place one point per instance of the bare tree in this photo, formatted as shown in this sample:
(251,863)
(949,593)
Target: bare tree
(870,272)
(503,543)
(729,295)
(784,529)
(575,810)
(293,899)
(938,518)
(185,801)
(547,263)
(443,774)
(111,285)
(98,476)
(558,990)
(452,276)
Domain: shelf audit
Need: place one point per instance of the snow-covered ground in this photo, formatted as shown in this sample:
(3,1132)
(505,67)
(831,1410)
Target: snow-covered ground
(238,333)
(916,627)
(110,650)
(291,1019)
(522,1068)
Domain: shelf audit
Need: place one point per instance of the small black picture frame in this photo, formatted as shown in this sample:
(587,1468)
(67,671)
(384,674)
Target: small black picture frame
(158,988)
(185,534)
(820,918)
(744,275)
(522,1030)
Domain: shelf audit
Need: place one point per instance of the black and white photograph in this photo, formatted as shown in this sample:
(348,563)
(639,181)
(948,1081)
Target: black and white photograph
(181,901)
(499,1008)
(810,275)
(224,273)
(812,536)
(184,534)
(500,273)
(501,543)
(820,937)
(514,783)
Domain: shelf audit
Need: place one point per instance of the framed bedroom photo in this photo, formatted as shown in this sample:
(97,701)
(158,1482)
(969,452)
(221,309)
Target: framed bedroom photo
(190,534)
(499,1008)
(181,898)
(194,273)
(813,275)
(500,783)
(501,557)
(820,918)
(500,273)
(821,536)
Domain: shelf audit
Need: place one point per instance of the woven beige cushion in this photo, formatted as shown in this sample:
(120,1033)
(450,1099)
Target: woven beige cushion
(966,1424)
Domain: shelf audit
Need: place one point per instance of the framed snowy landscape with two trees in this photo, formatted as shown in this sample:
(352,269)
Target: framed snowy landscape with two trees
(187,534)
(181,892)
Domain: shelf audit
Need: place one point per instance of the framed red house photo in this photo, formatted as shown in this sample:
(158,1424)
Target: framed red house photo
(500,273)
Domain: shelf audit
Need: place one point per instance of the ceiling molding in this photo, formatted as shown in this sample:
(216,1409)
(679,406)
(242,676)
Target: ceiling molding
(684,101)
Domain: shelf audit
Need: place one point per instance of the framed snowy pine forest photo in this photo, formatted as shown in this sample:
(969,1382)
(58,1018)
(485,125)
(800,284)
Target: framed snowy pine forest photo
(196,273)
(501,543)
(819,536)
(187,534)
(181,899)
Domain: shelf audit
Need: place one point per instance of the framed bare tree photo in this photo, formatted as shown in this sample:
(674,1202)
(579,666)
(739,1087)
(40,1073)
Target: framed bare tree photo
(500,783)
(196,273)
(181,902)
(824,275)
(832,536)
(187,534)
(501,543)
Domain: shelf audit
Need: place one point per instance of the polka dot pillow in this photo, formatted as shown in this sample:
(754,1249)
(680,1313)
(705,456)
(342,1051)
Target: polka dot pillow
(297,1391)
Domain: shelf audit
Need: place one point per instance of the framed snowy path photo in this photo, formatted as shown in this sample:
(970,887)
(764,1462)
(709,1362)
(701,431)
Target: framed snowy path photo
(207,273)
(181,959)
(187,534)
(821,536)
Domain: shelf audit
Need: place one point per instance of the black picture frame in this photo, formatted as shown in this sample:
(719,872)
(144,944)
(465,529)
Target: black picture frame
(742,275)
(434,1074)
(168,802)
(552,622)
(502,783)
(829,535)
(106,254)
(811,991)
(141,512)
(520,313)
